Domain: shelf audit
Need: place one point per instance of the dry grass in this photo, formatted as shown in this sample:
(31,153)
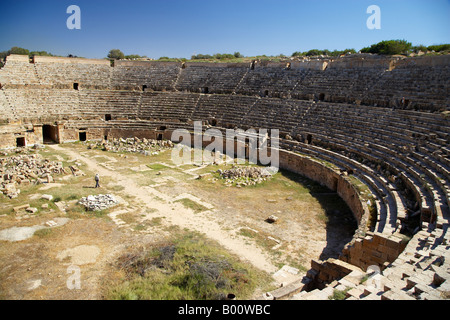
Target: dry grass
(187,267)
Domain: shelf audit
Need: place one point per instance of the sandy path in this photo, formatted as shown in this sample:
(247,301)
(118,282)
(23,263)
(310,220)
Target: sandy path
(177,214)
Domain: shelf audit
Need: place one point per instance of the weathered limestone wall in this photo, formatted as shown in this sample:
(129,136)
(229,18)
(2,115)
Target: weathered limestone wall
(323,273)
(329,178)
(423,61)
(347,191)
(71,134)
(311,65)
(126,63)
(42,59)
(216,65)
(362,61)
(311,169)
(9,135)
(18,57)
(300,65)
(147,134)
(374,249)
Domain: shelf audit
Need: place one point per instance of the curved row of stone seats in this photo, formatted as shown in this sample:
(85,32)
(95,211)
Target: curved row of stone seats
(423,85)
(143,74)
(210,78)
(143,126)
(132,124)
(33,104)
(416,179)
(7,111)
(249,118)
(395,147)
(263,111)
(368,128)
(387,204)
(67,71)
(222,109)
(380,86)
(392,204)
(415,185)
(116,104)
(18,71)
(158,105)
(332,83)
(272,79)
(386,128)
(239,121)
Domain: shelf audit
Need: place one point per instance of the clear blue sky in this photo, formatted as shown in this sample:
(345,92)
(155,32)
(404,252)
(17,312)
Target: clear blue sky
(177,28)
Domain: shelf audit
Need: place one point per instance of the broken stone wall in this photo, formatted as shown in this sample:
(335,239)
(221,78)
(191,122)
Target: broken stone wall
(9,135)
(366,61)
(329,178)
(374,249)
(44,59)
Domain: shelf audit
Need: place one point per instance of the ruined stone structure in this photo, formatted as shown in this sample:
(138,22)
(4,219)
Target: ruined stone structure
(374,129)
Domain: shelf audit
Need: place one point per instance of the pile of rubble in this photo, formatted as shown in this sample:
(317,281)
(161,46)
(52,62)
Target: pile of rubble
(21,150)
(98,202)
(133,145)
(26,169)
(244,176)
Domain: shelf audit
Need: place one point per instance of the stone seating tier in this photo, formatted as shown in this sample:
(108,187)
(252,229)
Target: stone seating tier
(399,156)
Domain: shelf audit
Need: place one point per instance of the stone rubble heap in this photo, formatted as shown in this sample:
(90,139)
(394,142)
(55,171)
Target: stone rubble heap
(26,169)
(133,145)
(21,150)
(244,176)
(98,202)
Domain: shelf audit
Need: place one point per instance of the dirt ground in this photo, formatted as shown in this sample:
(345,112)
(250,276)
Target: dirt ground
(75,260)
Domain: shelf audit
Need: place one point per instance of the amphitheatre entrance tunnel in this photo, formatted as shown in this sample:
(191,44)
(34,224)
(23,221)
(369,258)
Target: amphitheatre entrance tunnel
(50,134)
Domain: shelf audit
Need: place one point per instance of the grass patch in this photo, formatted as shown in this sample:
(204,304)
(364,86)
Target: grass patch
(157,166)
(116,188)
(260,237)
(188,267)
(42,233)
(128,217)
(140,227)
(339,294)
(188,203)
(154,222)
(76,212)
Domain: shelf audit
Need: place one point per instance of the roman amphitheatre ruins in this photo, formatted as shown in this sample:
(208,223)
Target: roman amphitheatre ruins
(359,207)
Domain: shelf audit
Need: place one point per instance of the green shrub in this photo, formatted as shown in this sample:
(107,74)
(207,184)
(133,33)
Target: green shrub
(189,267)
(439,48)
(339,294)
(389,47)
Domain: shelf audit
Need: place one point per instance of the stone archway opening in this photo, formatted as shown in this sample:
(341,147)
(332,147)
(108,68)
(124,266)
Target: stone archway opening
(50,134)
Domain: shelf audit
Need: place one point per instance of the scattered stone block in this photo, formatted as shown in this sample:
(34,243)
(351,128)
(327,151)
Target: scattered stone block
(51,223)
(48,197)
(20,208)
(31,210)
(272,219)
